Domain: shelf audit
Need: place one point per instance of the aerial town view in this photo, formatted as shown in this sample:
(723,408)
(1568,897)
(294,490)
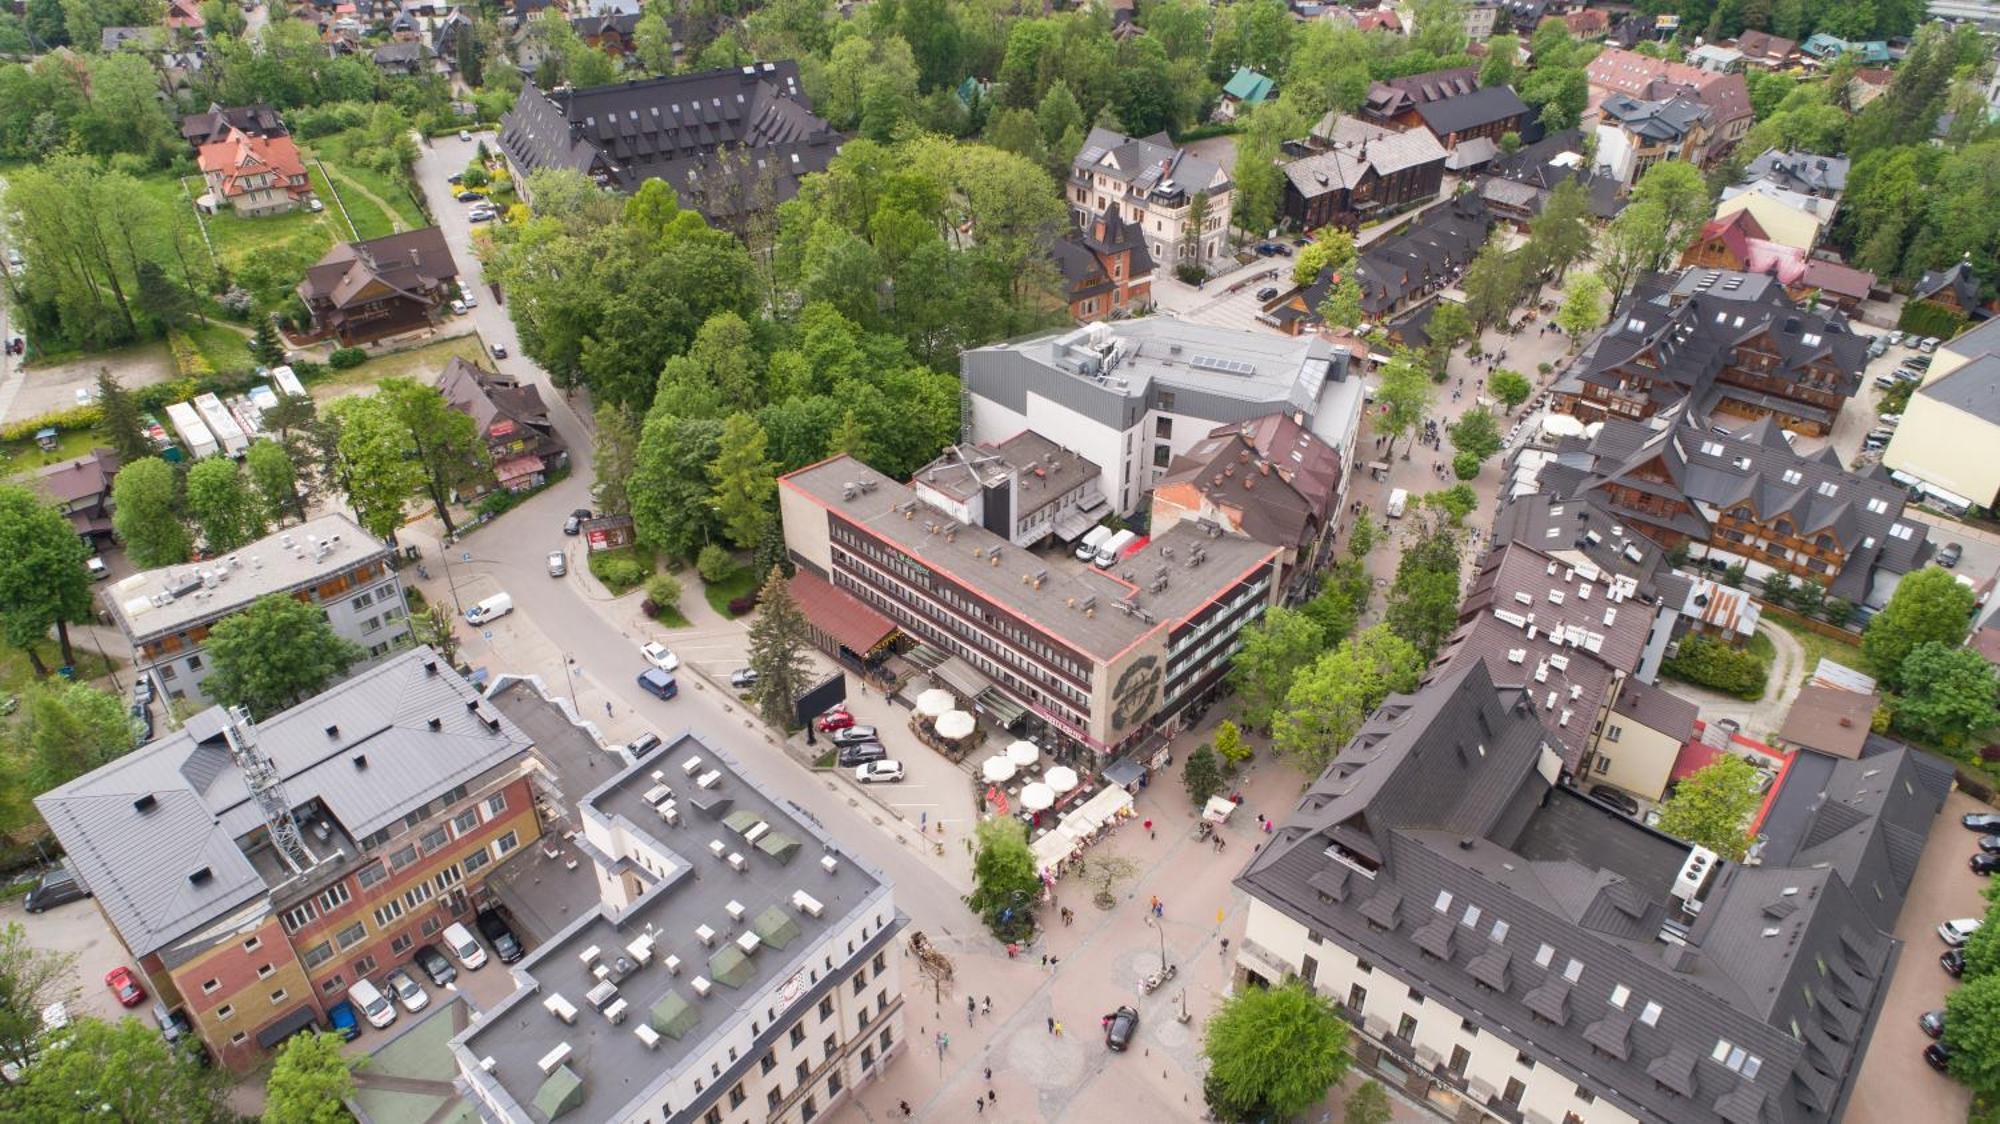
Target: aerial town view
(860,561)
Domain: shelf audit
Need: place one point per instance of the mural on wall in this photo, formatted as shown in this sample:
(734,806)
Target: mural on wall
(1137,689)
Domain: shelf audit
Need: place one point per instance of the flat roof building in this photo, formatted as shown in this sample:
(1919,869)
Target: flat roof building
(737,956)
(330,562)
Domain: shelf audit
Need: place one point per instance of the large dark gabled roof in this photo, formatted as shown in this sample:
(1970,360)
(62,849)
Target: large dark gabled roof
(1470,111)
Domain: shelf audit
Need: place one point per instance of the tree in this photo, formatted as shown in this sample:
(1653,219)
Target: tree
(1272,1052)
(653,42)
(146,501)
(436,628)
(1004,882)
(164,301)
(1450,326)
(1928,605)
(615,451)
(223,505)
(1948,695)
(125,1071)
(1202,774)
(118,420)
(1972,1032)
(1495,282)
(1332,248)
(1636,239)
(43,583)
(276,476)
(1476,433)
(669,487)
(1499,67)
(1367,1104)
(265,345)
(1274,649)
(1229,744)
(31,979)
(1713,806)
(68,729)
(366,459)
(777,652)
(1342,306)
(1682,194)
(1459,500)
(1423,602)
(1582,307)
(1561,235)
(275,653)
(309,1081)
(1982,948)
(1511,387)
(1405,392)
(443,444)
(1329,700)
(746,482)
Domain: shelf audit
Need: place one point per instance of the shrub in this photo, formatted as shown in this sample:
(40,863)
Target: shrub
(664,590)
(744,604)
(1465,465)
(76,417)
(618,570)
(1713,664)
(346,357)
(1190,273)
(714,564)
(1928,318)
(189,362)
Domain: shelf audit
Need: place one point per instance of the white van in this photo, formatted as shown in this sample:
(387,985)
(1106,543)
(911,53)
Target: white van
(1087,549)
(464,946)
(375,1006)
(1399,502)
(493,608)
(1107,555)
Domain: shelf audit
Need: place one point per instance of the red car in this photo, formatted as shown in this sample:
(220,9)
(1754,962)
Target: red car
(834,720)
(125,986)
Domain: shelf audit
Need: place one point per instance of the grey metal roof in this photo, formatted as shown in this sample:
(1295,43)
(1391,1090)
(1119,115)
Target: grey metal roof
(1973,388)
(139,861)
(1583,892)
(1142,164)
(1804,172)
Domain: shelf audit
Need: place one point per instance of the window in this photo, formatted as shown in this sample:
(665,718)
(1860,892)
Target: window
(401,944)
(476,859)
(1499,931)
(798,1035)
(713,1116)
(364,965)
(277,997)
(347,938)
(417,895)
(239,1038)
(1162,456)
(826,1008)
(833,1084)
(296,918)
(333,983)
(1544,954)
(496,804)
(225,1011)
(430,926)
(1471,918)
(886,1039)
(194,663)
(1620,995)
(1514,1092)
(1524,1061)
(1793,476)
(1166,400)
(333,897)
(1613,733)
(506,843)
(433,839)
(768,1062)
(265,971)
(318,954)
(1460,1058)
(208,986)
(1899,531)
(387,913)
(1357,997)
(1443,901)
(465,821)
(371,874)
(881,963)
(1163,428)
(736,1096)
(774,1098)
(403,856)
(867,1058)
(363,601)
(1573,971)
(1416,997)
(828,1047)
(802,1071)
(1406,1028)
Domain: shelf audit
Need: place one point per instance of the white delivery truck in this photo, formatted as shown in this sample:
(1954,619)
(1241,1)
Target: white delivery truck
(188,424)
(1107,555)
(1087,549)
(221,423)
(491,609)
(1399,502)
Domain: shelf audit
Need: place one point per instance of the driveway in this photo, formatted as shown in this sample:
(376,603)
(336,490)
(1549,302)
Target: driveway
(1763,718)
(31,392)
(77,928)
(1894,1082)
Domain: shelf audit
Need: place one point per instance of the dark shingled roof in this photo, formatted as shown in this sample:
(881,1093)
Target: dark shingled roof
(1471,111)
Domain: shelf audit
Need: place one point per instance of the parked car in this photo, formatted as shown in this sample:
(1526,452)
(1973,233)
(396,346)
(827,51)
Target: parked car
(659,655)
(494,928)
(125,986)
(462,944)
(342,1018)
(1949,556)
(1956,931)
(57,887)
(1929,345)
(1990,844)
(574,524)
(1984,864)
(407,990)
(879,772)
(315,206)
(1887,382)
(658,684)
(1939,1056)
(1119,1031)
(558,564)
(434,965)
(643,744)
(458,308)
(481,213)
(1952,961)
(375,1006)
(465,136)
(1615,798)
(840,720)
(142,690)
(743,678)
(1986,823)
(1918,362)
(1268,292)
(1895,338)
(98,570)
(853,735)
(852,755)
(499,351)
(1266,249)
(455,178)
(1932,1022)
(468,195)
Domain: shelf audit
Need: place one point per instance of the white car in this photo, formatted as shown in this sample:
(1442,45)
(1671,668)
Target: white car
(1957,932)
(412,994)
(879,772)
(660,656)
(481,214)
(466,298)
(458,308)
(464,135)
(315,206)
(85,395)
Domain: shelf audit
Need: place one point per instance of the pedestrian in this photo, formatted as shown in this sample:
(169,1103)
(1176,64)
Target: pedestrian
(1052,967)
(1045,959)
(1104,1023)
(1225,948)
(971,1009)
(607,708)
(1012,948)
(1058,1028)
(986,1008)
(992,1097)
(1052,1024)
(1149,829)
(1153,903)
(979,1106)
(905,1107)
(989,1075)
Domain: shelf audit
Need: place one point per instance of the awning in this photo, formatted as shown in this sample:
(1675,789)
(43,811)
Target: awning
(962,678)
(1124,772)
(301,1018)
(1072,524)
(848,620)
(995,702)
(513,468)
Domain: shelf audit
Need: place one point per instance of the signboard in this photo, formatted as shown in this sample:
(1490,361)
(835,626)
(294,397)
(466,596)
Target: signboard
(609,532)
(818,700)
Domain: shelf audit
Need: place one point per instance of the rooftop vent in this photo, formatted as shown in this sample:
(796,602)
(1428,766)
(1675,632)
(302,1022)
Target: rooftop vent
(333,731)
(201,877)
(145,803)
(430,667)
(828,863)
(554,1058)
(701,986)
(435,723)
(360,760)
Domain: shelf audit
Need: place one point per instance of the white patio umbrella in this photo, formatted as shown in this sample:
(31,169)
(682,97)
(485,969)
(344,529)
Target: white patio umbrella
(997,769)
(954,724)
(1061,779)
(1037,796)
(934,702)
(1024,753)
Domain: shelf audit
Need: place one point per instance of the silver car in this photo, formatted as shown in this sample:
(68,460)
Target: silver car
(558,564)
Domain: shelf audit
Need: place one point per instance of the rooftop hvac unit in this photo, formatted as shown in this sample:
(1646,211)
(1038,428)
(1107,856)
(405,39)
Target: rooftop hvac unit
(705,935)
(641,950)
(672,964)
(735,911)
(701,986)
(589,955)
(561,1008)
(671,812)
(554,1058)
(1694,873)
(757,831)
(658,793)
(738,862)
(647,1036)
(748,942)
(828,863)
(717,848)
(691,766)
(601,995)
(807,904)
(616,1012)
(709,779)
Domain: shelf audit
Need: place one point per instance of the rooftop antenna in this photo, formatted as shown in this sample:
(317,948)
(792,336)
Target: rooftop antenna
(261,775)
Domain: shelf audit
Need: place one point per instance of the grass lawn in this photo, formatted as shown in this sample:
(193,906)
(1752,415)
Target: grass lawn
(238,239)
(1817,646)
(225,348)
(25,456)
(420,363)
(342,229)
(737,584)
(338,152)
(370,221)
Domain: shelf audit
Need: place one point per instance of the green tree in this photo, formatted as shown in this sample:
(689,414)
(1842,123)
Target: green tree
(1928,605)
(223,505)
(1342,306)
(1229,744)
(614,454)
(1511,387)
(123,1070)
(1713,807)
(1982,949)
(1457,501)
(1495,282)
(1202,774)
(1685,204)
(1004,882)
(1582,307)
(43,583)
(778,652)
(68,729)
(1423,601)
(436,628)
(1562,233)
(146,501)
(276,476)
(1475,432)
(1972,1032)
(1406,392)
(1329,699)
(119,422)
(1636,239)
(278,652)
(1499,67)
(1331,248)
(653,42)
(1274,649)
(1367,1104)
(367,460)
(1948,695)
(31,978)
(309,1081)
(669,487)
(745,480)
(1272,1052)
(850,437)
(1450,326)
(163,301)
(442,443)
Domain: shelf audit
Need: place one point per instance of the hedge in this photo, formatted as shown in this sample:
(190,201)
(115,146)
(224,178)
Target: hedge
(189,362)
(345,357)
(1929,318)
(1713,664)
(76,417)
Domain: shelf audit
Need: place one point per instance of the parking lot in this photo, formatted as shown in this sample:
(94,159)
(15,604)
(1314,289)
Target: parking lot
(1895,1083)
(78,928)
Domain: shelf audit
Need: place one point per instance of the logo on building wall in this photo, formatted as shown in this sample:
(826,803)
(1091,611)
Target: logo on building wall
(1137,689)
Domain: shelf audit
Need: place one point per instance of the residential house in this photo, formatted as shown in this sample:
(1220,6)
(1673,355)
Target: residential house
(80,488)
(217,124)
(1155,185)
(254,871)
(1267,479)
(1944,446)
(1362,173)
(254,175)
(1394,101)
(1830,720)
(1106,270)
(1025,489)
(1733,343)
(359,292)
(183,15)
(1488,113)
(1957,288)
(1245,91)
(1793,218)
(1635,134)
(1517,185)
(1379,19)
(1868,83)
(1618,71)
(1398,275)
(1841,286)
(1804,173)
(730,142)
(611,32)
(514,425)
(143,40)
(1479,17)
(1644,733)
(1716,59)
(1824,49)
(1588,23)
(1767,51)
(404,58)
(1523,16)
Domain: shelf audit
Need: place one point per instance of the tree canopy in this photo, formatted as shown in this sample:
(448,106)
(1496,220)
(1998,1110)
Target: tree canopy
(1928,605)
(1713,807)
(1272,1052)
(275,653)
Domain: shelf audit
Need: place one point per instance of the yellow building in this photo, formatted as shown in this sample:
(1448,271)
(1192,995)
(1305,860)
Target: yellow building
(1952,424)
(1783,223)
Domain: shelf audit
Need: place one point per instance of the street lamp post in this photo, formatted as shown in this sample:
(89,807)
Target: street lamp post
(451,582)
(1162,931)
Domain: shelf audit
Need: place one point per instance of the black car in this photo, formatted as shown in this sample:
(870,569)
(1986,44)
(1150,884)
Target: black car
(574,524)
(434,964)
(494,928)
(1986,823)
(854,735)
(1932,1023)
(1918,362)
(1267,292)
(1606,794)
(1952,960)
(1949,556)
(57,887)
(743,678)
(1984,863)
(1119,1031)
(1939,1056)
(852,755)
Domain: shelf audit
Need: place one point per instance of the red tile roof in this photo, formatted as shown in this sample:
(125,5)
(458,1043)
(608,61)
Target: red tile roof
(245,156)
(840,614)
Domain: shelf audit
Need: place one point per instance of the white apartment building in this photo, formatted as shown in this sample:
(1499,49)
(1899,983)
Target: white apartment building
(1152,186)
